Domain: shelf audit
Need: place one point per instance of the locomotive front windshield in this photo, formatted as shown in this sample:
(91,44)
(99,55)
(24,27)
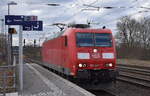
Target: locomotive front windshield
(94,39)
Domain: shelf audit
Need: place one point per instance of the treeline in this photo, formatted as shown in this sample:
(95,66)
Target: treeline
(133,38)
(32,52)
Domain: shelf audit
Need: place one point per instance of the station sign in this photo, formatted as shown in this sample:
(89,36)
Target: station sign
(14,19)
(30,18)
(29,23)
(32,26)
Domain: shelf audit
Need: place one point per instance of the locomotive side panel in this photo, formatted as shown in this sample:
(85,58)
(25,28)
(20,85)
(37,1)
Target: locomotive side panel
(54,54)
(72,52)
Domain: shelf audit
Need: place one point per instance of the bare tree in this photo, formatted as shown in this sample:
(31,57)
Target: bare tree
(134,34)
(128,29)
(145,33)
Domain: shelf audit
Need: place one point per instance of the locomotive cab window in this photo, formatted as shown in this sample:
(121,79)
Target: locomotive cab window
(94,39)
(85,39)
(103,39)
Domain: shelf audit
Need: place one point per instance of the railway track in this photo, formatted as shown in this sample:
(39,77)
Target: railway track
(137,75)
(101,93)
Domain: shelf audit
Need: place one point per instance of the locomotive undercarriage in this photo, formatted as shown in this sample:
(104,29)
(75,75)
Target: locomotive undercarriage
(96,79)
(91,79)
(96,76)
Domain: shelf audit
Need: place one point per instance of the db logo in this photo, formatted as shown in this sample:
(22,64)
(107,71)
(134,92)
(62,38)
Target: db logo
(95,55)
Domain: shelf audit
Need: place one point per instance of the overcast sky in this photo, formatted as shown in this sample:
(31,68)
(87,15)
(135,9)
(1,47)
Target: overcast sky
(73,11)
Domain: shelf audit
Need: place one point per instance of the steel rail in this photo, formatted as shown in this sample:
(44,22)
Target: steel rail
(137,75)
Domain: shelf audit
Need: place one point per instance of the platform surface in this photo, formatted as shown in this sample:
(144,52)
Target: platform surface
(41,82)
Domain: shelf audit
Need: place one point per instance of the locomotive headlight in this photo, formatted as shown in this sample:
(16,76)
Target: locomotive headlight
(80,65)
(110,64)
(95,50)
(84,65)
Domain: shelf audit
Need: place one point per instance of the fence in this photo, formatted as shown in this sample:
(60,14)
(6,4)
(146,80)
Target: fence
(7,79)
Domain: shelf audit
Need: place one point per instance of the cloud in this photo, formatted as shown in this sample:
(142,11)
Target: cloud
(36,12)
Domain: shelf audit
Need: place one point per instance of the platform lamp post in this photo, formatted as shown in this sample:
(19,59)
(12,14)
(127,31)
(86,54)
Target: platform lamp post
(2,26)
(3,42)
(10,55)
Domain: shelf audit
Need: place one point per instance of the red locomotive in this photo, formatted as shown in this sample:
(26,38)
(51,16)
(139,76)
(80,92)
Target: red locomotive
(82,53)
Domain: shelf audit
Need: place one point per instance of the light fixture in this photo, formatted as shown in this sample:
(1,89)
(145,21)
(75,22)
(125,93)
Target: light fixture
(12,3)
(109,65)
(84,65)
(52,4)
(95,50)
(80,65)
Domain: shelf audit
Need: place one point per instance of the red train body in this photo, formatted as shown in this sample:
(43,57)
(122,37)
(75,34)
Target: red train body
(82,53)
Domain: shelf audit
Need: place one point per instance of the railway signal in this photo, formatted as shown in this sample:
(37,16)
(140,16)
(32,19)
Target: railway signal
(34,42)
(12,31)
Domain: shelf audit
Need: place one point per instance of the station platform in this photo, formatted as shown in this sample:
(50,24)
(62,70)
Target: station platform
(41,82)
